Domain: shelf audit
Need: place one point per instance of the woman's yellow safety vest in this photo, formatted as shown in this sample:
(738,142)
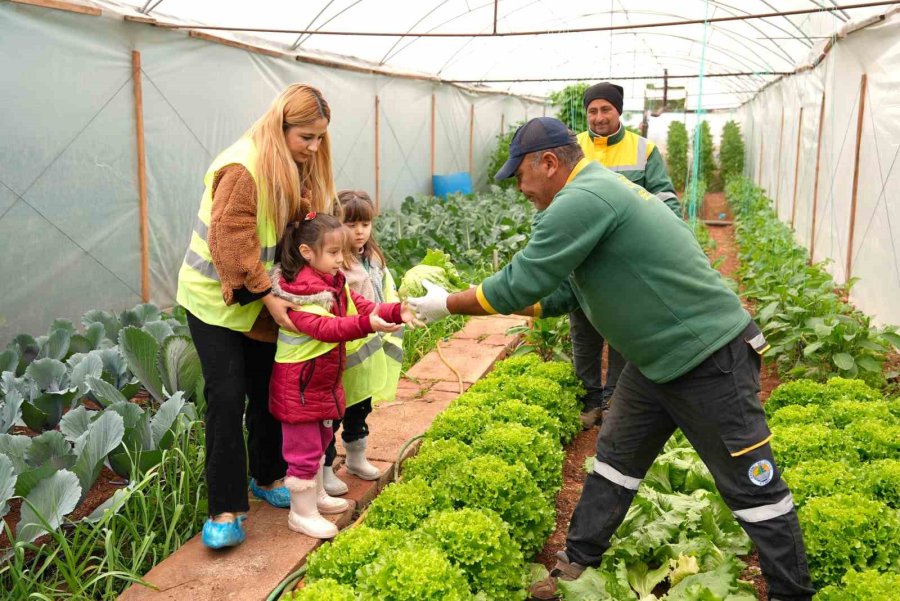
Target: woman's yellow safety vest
(199,289)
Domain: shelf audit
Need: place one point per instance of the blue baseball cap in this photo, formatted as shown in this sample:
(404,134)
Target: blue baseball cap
(540,133)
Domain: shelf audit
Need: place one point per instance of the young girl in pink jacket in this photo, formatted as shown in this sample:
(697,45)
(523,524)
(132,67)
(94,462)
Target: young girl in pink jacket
(305,392)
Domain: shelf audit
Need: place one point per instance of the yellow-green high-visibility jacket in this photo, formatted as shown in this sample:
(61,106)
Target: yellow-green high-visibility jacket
(199,289)
(373,363)
(393,347)
(634,157)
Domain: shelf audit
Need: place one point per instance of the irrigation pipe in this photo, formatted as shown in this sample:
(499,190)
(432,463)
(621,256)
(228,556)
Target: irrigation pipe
(459,379)
(288,583)
(400,455)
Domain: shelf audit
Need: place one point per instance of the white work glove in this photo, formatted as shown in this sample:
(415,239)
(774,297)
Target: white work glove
(431,307)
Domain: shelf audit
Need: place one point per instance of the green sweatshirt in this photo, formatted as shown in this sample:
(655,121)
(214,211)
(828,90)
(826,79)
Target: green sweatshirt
(634,268)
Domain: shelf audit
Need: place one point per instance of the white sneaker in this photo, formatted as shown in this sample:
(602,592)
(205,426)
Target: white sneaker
(304,515)
(356,461)
(333,485)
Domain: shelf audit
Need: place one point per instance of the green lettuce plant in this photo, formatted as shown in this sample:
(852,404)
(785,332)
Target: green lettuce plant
(848,531)
(540,454)
(477,542)
(491,483)
(461,422)
(435,457)
(867,585)
(537,391)
(437,268)
(881,480)
(404,504)
(323,590)
(421,574)
(340,559)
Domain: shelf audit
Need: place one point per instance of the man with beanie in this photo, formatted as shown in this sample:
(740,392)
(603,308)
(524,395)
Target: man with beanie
(628,154)
(610,247)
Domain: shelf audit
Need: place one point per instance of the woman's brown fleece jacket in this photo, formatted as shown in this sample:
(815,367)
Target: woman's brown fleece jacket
(235,246)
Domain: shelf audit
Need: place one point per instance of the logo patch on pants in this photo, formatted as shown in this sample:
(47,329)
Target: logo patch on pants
(761,472)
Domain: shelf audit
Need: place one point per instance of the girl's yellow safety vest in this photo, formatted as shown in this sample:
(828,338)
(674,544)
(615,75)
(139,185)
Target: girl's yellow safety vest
(373,363)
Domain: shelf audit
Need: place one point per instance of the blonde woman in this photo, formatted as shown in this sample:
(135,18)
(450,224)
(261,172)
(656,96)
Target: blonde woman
(252,191)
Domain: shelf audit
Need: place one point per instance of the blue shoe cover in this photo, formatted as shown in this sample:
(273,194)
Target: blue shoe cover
(277,497)
(218,535)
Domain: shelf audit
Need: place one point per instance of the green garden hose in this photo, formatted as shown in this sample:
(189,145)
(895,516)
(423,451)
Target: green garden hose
(287,584)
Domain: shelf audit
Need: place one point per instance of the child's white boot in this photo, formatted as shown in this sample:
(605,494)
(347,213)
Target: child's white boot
(333,485)
(304,515)
(356,462)
(325,502)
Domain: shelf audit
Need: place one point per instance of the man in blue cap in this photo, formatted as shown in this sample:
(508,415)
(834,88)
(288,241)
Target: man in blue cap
(609,247)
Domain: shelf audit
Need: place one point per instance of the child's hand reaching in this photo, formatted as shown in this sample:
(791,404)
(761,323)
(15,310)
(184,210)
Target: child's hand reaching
(380,325)
(408,316)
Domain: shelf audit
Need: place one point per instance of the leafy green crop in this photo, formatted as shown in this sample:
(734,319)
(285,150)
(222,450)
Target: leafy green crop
(470,229)
(537,391)
(813,332)
(792,444)
(881,480)
(357,547)
(437,268)
(420,574)
(404,504)
(461,422)
(539,453)
(848,531)
(868,585)
(533,416)
(323,590)
(478,542)
(874,439)
(491,483)
(820,478)
(434,457)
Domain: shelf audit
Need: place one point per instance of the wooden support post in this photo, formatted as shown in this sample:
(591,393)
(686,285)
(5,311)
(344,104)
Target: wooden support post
(778,167)
(471,137)
(142,175)
(433,134)
(502,129)
(859,126)
(815,205)
(377,159)
(796,169)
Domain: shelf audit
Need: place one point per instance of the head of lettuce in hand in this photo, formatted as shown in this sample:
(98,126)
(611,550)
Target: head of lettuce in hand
(437,268)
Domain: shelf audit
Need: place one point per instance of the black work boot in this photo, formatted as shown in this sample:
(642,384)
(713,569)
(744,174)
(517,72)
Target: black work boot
(545,590)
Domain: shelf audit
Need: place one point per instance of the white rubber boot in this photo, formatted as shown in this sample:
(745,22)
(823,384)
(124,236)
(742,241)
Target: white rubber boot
(356,461)
(325,502)
(304,516)
(333,485)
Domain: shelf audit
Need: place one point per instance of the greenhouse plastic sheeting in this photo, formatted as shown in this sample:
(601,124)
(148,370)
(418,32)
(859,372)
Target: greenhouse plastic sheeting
(69,215)
(772,161)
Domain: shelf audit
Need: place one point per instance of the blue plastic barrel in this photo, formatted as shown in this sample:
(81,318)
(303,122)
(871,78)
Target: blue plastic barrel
(452,183)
